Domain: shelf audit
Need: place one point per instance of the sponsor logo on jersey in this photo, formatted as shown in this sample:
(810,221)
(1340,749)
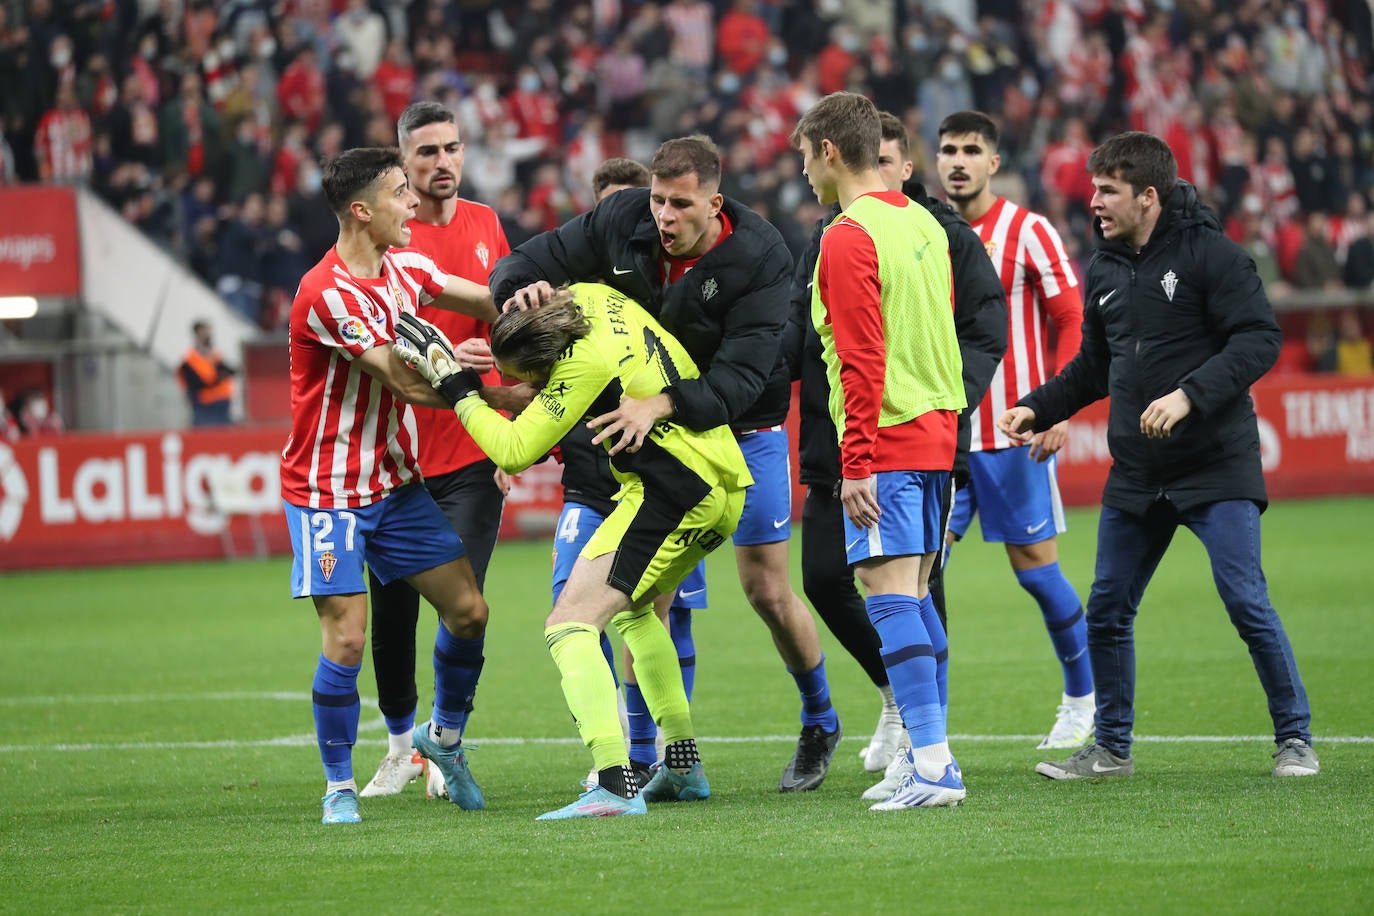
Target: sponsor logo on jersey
(551,405)
(353,331)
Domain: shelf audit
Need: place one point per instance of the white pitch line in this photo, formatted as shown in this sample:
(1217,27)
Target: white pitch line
(309,741)
(125,698)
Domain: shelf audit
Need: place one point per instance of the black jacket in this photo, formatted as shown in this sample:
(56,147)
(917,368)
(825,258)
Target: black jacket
(728,311)
(980,323)
(1187,311)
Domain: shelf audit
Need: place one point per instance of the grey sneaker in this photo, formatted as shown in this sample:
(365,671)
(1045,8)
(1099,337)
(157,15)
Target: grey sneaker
(1092,762)
(1295,757)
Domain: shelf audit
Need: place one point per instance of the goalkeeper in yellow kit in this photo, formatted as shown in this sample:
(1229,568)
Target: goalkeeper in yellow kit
(681,496)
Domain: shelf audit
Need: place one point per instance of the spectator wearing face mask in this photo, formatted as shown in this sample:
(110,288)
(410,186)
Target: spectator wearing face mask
(34,413)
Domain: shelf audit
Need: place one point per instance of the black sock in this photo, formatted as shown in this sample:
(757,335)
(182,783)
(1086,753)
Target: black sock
(618,780)
(681,755)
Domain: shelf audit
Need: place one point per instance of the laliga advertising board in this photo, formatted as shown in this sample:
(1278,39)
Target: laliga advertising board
(116,498)
(93,499)
(90,499)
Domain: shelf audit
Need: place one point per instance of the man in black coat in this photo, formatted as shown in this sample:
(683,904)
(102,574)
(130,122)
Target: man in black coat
(716,275)
(980,322)
(1176,327)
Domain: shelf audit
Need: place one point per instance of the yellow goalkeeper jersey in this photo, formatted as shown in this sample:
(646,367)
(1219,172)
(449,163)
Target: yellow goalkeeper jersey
(626,354)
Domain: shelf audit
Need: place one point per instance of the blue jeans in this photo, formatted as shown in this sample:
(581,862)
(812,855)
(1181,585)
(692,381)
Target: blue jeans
(1129,548)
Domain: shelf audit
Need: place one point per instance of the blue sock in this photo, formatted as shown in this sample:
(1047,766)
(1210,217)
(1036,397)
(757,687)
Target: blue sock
(399,725)
(1063,614)
(815,697)
(334,695)
(939,644)
(909,659)
(457,666)
(609,652)
(643,731)
(680,627)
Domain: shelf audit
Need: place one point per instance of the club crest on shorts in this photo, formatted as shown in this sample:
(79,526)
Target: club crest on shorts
(1170,283)
(327,563)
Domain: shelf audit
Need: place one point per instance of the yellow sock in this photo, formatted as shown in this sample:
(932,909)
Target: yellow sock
(658,672)
(590,690)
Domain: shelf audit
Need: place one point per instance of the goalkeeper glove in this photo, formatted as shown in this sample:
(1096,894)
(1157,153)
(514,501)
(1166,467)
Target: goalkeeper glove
(427,350)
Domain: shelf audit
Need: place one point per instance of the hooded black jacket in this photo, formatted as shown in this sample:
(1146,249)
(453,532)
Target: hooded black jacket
(1186,311)
(980,323)
(728,311)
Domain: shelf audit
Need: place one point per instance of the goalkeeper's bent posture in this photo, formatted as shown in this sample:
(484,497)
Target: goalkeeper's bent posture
(682,494)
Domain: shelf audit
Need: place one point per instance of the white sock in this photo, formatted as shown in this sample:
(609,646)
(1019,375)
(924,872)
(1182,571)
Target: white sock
(400,744)
(444,737)
(932,759)
(889,701)
(1084,702)
(346,784)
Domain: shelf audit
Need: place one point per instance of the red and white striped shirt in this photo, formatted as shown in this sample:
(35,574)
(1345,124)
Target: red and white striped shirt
(352,441)
(1042,288)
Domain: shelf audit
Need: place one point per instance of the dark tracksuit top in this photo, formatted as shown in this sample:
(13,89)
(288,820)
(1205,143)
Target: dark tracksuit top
(1186,311)
(728,311)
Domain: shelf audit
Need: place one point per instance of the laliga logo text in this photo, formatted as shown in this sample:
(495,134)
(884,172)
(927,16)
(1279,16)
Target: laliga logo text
(14,492)
(116,489)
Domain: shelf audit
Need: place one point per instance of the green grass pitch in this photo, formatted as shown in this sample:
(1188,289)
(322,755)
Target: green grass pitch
(157,755)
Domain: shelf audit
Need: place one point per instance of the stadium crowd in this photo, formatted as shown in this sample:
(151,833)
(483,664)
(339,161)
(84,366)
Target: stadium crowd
(204,122)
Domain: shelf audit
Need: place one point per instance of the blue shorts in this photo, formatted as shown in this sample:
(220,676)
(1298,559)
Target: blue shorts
(767,516)
(400,535)
(576,524)
(691,594)
(1016,497)
(911,518)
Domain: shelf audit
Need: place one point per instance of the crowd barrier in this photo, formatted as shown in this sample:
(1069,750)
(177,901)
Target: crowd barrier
(99,499)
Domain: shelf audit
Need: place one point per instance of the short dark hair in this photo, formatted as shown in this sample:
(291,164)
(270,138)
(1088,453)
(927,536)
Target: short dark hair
(848,120)
(346,176)
(893,129)
(694,155)
(1141,160)
(533,340)
(422,114)
(619,171)
(971,122)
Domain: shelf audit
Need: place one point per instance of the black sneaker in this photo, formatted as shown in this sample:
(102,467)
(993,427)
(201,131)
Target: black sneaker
(806,770)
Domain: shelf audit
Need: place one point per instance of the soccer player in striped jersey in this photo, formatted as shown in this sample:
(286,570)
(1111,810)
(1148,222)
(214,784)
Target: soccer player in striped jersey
(1015,491)
(351,484)
(882,303)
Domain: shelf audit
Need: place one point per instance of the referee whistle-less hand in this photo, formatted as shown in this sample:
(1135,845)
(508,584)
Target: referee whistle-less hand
(427,350)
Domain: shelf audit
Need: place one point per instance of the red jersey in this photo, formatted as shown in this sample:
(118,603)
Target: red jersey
(352,441)
(63,144)
(467,247)
(1042,288)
